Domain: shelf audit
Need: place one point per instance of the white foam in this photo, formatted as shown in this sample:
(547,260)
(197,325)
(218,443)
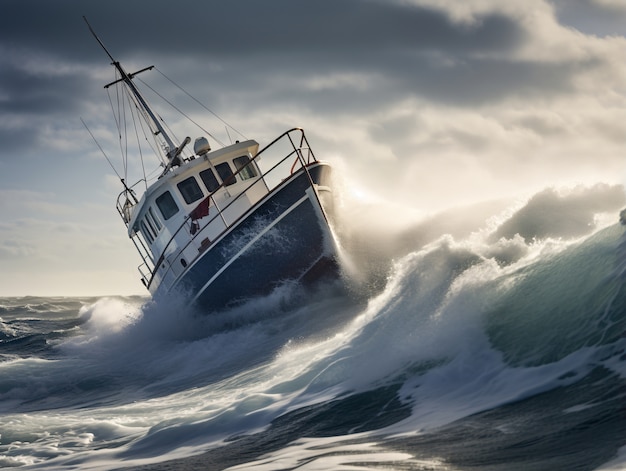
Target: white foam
(148,383)
(334,453)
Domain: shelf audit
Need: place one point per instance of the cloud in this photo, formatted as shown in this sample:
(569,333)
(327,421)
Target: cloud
(598,17)
(349,58)
(47,257)
(14,203)
(16,249)
(562,214)
(611,5)
(32,81)
(425,102)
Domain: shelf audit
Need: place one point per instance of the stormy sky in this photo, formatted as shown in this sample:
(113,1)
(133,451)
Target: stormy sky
(426,103)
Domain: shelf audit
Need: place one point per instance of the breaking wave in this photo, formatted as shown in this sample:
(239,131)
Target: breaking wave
(488,336)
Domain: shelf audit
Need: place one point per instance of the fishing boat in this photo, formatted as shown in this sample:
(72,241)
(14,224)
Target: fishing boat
(217,228)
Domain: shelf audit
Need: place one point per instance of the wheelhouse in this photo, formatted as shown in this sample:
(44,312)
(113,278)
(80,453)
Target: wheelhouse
(198,189)
(209,217)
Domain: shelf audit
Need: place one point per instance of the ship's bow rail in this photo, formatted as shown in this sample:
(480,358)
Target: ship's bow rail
(288,157)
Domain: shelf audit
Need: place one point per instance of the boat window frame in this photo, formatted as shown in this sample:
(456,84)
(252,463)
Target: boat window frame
(146,232)
(155,219)
(215,184)
(227,179)
(246,169)
(153,231)
(190,190)
(168,214)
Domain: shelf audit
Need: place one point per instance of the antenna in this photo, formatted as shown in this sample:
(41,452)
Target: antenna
(98,39)
(174,150)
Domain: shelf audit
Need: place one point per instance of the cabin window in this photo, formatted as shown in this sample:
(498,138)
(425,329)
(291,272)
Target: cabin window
(225,173)
(153,231)
(140,231)
(190,190)
(209,180)
(146,232)
(247,169)
(167,205)
(155,220)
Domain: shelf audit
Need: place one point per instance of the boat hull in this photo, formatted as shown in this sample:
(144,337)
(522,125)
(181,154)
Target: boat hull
(286,237)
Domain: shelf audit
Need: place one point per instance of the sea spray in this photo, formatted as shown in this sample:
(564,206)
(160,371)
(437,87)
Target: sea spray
(421,363)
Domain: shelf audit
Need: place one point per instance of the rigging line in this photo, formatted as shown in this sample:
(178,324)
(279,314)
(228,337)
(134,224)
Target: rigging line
(124,133)
(124,120)
(115,118)
(153,144)
(170,130)
(101,150)
(182,113)
(153,127)
(228,134)
(143,167)
(118,115)
(121,123)
(131,102)
(117,124)
(202,105)
(125,97)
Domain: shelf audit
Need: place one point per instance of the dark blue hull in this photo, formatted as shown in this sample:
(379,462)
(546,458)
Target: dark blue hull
(284,237)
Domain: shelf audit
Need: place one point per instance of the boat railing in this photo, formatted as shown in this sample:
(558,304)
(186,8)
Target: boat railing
(126,202)
(297,148)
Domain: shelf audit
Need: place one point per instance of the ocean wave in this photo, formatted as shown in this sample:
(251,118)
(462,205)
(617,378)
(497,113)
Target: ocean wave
(506,319)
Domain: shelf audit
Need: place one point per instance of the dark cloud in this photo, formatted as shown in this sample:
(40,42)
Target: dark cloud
(261,50)
(592,17)
(37,99)
(469,82)
(253,55)
(350,26)
(423,108)
(248,27)
(477,81)
(33,91)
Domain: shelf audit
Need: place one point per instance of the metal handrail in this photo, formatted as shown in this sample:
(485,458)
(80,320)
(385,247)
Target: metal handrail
(297,150)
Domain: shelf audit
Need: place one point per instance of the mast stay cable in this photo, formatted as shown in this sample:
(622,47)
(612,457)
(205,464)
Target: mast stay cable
(173,149)
(103,153)
(202,105)
(143,167)
(182,112)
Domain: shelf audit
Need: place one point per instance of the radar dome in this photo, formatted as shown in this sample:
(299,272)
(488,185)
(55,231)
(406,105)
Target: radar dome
(201,146)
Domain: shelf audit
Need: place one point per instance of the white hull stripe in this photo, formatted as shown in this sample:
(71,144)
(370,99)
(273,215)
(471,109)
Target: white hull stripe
(249,244)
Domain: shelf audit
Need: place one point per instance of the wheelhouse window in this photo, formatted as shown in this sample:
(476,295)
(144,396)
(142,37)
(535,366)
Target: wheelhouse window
(225,173)
(190,190)
(147,233)
(150,225)
(209,180)
(243,164)
(167,205)
(154,219)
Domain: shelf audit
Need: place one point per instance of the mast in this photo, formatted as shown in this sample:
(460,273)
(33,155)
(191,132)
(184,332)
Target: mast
(173,150)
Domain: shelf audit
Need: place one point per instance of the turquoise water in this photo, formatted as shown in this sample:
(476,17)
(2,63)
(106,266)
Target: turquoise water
(494,344)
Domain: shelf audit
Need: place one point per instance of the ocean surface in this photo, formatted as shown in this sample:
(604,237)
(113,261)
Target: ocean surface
(490,337)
